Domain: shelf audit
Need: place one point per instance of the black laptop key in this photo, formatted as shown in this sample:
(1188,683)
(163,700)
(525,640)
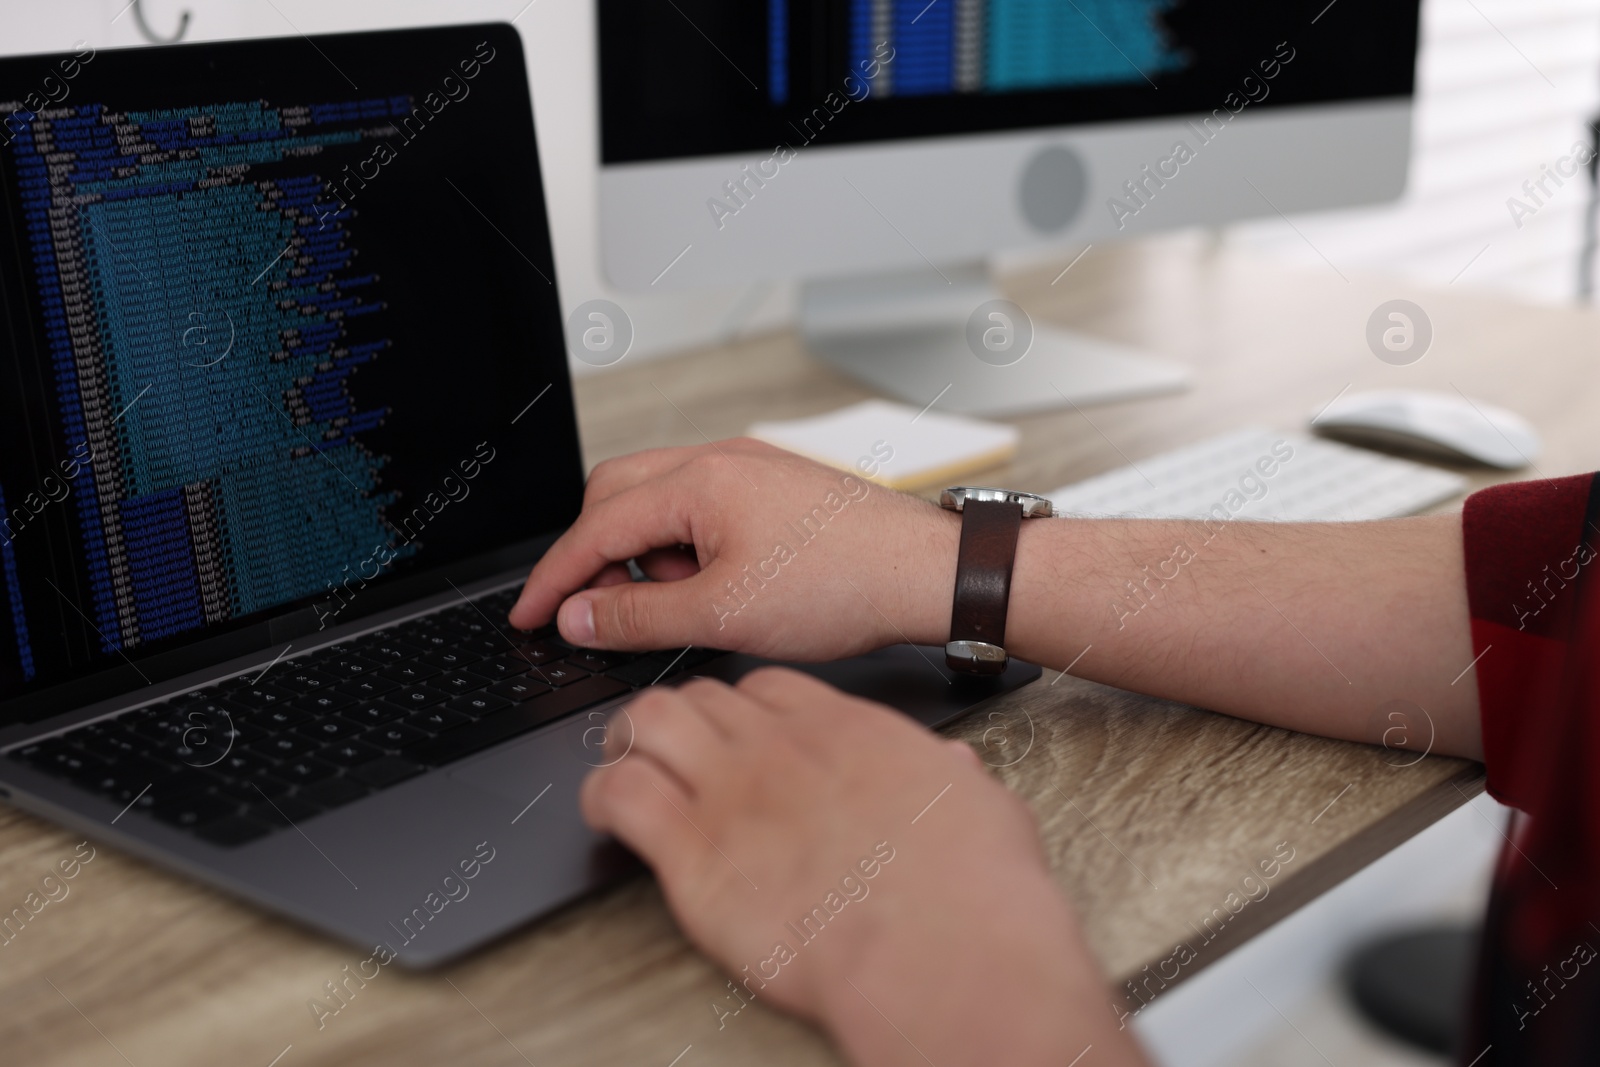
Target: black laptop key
(484,645)
(537,652)
(519,689)
(269,786)
(370,687)
(500,600)
(326,701)
(105,745)
(288,746)
(70,763)
(409,673)
(349,753)
(334,792)
(261,696)
(437,720)
(419,637)
(306,770)
(351,666)
(243,764)
(430,639)
(232,832)
(189,810)
(376,713)
(167,793)
(396,737)
(120,784)
(390,650)
(386,771)
(450,659)
(307,680)
(477,626)
(161,731)
(326,730)
(176,753)
(599,662)
(558,674)
(119,731)
(217,737)
(458,684)
(141,771)
(239,792)
(504,725)
(477,705)
(416,697)
(283,716)
(506,665)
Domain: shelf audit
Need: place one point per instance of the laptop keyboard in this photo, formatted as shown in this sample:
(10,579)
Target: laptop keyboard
(259,753)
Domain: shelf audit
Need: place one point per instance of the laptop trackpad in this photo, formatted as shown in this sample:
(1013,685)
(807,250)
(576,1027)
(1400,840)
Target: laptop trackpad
(546,766)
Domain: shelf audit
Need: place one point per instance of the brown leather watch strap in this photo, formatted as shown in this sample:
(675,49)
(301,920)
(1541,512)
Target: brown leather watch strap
(983,571)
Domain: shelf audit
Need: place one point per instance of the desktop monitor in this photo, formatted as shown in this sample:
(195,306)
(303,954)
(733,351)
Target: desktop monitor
(880,151)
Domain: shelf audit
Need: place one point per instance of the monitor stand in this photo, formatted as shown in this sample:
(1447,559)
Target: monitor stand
(907,335)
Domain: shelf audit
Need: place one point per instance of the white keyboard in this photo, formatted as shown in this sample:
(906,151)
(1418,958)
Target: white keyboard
(1262,475)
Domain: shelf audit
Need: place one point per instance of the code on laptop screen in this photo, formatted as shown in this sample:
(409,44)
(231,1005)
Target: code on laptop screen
(269,333)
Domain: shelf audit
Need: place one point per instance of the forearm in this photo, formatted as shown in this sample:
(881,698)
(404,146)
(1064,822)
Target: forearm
(1313,627)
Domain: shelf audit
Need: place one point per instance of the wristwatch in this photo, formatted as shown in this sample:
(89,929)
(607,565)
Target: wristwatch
(990,522)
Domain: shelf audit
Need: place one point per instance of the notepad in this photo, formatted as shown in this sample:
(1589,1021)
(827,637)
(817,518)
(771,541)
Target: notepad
(894,445)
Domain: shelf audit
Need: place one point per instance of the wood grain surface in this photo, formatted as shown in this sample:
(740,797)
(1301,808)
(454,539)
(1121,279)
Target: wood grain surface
(1152,813)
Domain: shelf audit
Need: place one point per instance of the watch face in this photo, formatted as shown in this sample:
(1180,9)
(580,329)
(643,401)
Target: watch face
(1033,505)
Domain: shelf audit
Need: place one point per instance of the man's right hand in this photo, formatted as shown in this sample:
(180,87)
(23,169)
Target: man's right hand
(751,549)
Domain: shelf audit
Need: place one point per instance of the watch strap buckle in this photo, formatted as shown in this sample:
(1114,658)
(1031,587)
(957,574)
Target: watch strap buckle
(975,657)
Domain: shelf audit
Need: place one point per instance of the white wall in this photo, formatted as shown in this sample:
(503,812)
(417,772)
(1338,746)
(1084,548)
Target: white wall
(558,36)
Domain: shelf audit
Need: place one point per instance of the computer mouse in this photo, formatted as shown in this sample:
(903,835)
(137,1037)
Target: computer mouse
(1443,425)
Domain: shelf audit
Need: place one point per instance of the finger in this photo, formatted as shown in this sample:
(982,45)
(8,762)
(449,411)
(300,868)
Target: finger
(631,523)
(668,726)
(611,574)
(644,616)
(788,691)
(669,564)
(639,802)
(825,722)
(624,472)
(965,754)
(731,713)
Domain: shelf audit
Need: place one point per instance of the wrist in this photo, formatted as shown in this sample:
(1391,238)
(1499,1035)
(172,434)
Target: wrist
(928,576)
(928,590)
(1043,618)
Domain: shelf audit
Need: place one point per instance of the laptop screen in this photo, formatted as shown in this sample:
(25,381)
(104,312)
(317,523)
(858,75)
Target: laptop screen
(280,345)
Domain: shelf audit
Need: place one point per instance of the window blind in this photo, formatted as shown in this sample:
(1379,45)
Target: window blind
(1506,90)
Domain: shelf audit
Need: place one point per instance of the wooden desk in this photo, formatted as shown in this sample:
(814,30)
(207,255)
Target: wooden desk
(1170,807)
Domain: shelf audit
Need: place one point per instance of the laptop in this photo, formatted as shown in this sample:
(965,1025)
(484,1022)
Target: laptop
(286,420)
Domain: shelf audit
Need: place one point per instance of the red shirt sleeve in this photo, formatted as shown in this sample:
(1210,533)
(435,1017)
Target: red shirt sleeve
(1527,547)
(1534,590)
